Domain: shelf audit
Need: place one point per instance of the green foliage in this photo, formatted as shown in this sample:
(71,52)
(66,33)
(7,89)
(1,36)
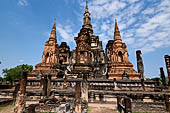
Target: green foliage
(15,73)
(6,107)
(1,79)
(154,79)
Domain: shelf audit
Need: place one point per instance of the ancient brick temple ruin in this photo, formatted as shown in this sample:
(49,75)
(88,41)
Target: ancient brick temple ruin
(88,56)
(68,81)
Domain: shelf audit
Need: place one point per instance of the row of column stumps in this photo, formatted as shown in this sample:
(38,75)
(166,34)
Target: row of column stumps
(140,68)
(162,74)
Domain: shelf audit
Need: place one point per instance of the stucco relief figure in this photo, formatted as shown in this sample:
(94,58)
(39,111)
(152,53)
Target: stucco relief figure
(126,57)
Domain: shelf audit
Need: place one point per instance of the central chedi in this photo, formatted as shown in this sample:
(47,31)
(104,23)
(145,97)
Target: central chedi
(88,56)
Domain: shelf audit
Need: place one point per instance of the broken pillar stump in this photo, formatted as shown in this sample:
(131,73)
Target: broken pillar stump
(167,103)
(31,108)
(84,88)
(128,107)
(49,86)
(21,98)
(65,83)
(78,90)
(162,76)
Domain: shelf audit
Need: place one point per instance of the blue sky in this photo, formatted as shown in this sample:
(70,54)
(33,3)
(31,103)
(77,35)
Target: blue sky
(25,26)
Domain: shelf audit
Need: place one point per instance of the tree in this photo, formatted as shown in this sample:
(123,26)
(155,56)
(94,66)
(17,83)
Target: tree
(15,73)
(1,79)
(154,79)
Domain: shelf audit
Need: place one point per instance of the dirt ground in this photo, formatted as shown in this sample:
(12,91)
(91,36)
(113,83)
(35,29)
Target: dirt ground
(93,108)
(102,108)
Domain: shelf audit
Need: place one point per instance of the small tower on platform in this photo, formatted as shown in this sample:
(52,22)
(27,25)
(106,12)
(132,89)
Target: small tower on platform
(50,53)
(118,61)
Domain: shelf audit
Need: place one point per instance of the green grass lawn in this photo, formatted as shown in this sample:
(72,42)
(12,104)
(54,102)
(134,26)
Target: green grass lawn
(6,107)
(88,109)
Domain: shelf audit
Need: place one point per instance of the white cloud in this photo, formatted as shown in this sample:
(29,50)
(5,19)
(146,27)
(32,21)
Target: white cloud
(148,11)
(22,2)
(65,32)
(142,26)
(132,1)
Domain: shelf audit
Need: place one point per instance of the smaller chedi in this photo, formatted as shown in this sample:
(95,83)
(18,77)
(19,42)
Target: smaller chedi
(118,61)
(88,56)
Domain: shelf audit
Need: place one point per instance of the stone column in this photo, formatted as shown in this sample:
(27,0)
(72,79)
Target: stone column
(118,102)
(31,108)
(78,97)
(140,65)
(78,90)
(128,107)
(101,96)
(143,84)
(167,103)
(21,98)
(23,83)
(163,76)
(49,86)
(94,97)
(65,83)
(84,90)
(167,61)
(17,87)
(45,81)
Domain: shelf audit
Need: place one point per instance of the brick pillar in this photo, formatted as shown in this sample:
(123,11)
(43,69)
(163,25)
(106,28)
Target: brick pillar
(140,65)
(84,90)
(17,87)
(78,97)
(21,98)
(65,83)
(78,90)
(128,107)
(45,81)
(119,102)
(101,96)
(162,76)
(49,86)
(167,61)
(23,83)
(31,108)
(167,103)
